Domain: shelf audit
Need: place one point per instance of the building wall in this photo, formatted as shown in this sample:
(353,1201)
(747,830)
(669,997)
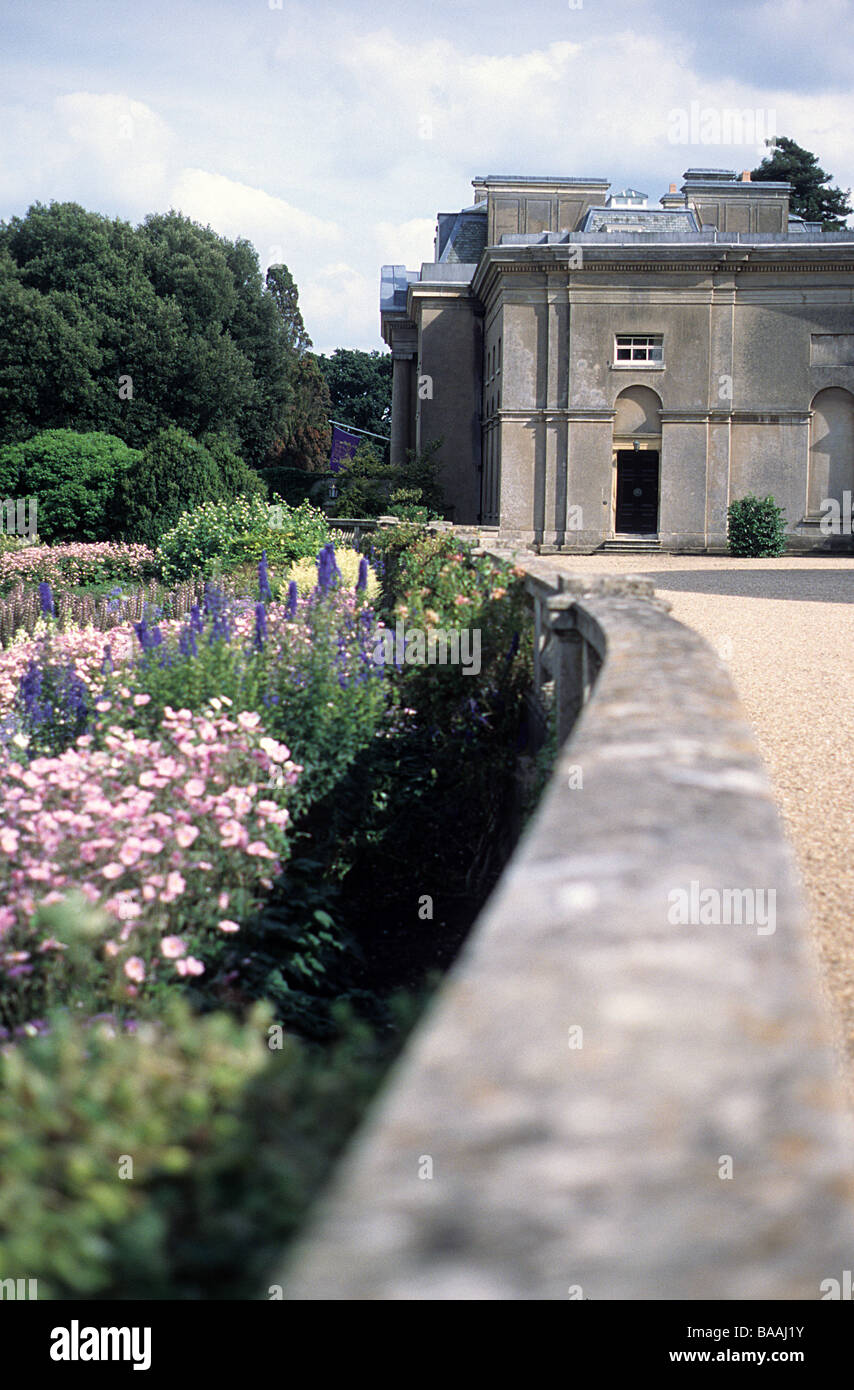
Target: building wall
(744,357)
(449,395)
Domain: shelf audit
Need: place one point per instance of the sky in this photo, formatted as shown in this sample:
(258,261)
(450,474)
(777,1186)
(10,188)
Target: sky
(330,135)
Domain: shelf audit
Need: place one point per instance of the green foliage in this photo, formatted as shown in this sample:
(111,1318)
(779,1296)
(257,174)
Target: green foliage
(360,389)
(368,483)
(407,503)
(183,312)
(74,477)
(218,536)
(810,197)
(229,1139)
(172,472)
(755,527)
(237,478)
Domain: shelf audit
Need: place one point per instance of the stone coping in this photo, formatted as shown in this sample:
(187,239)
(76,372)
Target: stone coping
(590,1072)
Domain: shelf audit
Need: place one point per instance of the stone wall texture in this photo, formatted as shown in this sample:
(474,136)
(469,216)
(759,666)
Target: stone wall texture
(593,1163)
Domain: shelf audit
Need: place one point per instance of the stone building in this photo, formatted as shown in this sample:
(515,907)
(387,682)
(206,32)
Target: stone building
(605,373)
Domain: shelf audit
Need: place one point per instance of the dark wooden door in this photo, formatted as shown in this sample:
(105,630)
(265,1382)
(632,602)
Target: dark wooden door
(637,491)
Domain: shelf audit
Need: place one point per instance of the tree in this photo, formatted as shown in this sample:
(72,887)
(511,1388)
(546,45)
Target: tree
(307,437)
(130,331)
(360,389)
(172,474)
(282,287)
(74,478)
(810,197)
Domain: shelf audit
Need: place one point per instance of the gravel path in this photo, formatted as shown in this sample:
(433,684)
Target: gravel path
(786,630)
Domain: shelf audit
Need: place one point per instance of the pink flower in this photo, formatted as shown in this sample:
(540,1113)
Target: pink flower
(112,871)
(248,719)
(152,845)
(135,969)
(221,902)
(185,835)
(260,850)
(228,926)
(189,966)
(194,788)
(172,947)
(232,833)
(9,840)
(141,699)
(276,752)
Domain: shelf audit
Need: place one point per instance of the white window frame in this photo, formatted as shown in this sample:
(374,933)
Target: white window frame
(645,350)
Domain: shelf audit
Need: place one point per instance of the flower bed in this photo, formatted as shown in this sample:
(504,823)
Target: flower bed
(220,806)
(91,563)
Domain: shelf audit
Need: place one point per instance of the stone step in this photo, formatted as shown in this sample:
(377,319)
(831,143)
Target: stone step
(630,546)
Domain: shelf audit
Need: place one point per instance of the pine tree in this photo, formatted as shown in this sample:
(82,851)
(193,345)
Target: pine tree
(810,197)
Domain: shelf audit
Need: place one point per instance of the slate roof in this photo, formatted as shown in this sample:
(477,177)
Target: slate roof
(467,237)
(639,220)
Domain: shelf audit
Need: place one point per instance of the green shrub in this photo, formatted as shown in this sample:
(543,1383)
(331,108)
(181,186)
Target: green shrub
(238,479)
(368,484)
(220,536)
(75,479)
(172,473)
(755,527)
(230,1129)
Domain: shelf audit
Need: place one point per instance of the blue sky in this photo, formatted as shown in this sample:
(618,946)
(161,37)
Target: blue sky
(330,135)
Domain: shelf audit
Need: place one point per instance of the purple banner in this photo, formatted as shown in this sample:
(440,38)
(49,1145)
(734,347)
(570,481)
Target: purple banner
(344,446)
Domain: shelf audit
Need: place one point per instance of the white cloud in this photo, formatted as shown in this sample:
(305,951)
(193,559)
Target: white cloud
(406,243)
(340,305)
(278,230)
(129,145)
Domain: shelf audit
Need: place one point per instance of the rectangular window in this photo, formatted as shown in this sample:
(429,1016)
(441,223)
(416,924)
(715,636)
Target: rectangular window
(639,348)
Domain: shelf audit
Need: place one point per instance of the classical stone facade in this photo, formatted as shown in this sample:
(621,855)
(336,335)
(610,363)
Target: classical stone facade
(601,372)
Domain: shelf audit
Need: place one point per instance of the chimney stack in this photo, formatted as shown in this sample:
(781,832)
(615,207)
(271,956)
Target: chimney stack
(745,176)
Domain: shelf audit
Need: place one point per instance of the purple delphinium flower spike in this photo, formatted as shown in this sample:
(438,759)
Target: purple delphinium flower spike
(46,600)
(328,572)
(293,597)
(265,593)
(260,626)
(362,581)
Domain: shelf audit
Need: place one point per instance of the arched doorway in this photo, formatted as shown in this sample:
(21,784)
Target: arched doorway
(637,461)
(831,462)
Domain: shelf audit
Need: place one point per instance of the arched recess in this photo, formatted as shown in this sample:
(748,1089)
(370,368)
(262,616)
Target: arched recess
(637,458)
(638,411)
(831,463)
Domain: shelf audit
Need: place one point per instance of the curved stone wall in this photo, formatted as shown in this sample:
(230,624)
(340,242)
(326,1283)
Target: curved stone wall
(607,1101)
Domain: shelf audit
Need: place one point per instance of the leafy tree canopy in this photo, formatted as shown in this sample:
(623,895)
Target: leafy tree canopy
(360,389)
(811,198)
(131,330)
